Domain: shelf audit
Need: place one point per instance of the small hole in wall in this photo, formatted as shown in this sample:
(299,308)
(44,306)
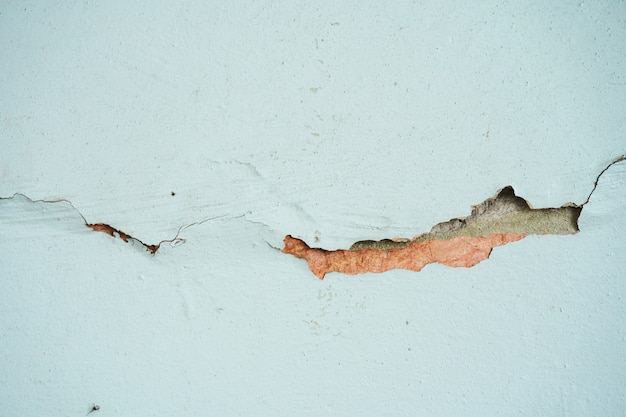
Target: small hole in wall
(173,193)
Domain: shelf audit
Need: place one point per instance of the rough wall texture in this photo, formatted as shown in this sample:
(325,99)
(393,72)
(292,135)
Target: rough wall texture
(217,128)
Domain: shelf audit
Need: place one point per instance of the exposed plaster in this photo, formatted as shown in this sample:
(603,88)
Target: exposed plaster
(503,213)
(111,231)
(463,241)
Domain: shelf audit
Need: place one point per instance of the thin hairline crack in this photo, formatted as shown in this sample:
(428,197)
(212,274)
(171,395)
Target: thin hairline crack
(116,233)
(595,184)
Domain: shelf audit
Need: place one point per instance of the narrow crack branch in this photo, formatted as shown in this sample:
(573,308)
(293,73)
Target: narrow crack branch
(595,184)
(116,233)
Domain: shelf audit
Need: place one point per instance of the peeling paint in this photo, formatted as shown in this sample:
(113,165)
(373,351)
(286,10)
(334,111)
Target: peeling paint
(503,213)
(459,242)
(496,221)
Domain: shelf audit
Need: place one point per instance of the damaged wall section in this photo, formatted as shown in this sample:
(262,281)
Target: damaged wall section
(459,242)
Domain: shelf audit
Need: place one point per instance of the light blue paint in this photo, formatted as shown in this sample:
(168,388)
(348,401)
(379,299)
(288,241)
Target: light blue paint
(339,122)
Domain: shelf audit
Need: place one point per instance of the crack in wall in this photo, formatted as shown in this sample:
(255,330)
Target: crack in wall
(496,221)
(112,231)
(459,242)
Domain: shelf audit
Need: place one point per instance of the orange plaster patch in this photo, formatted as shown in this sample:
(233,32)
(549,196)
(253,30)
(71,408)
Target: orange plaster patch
(111,231)
(464,251)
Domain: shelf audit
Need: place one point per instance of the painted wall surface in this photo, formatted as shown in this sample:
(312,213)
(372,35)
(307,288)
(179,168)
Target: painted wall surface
(231,124)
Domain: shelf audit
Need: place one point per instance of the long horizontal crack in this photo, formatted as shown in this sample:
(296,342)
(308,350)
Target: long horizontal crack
(459,242)
(463,241)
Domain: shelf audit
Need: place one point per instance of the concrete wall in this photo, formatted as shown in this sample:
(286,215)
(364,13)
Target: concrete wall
(227,125)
